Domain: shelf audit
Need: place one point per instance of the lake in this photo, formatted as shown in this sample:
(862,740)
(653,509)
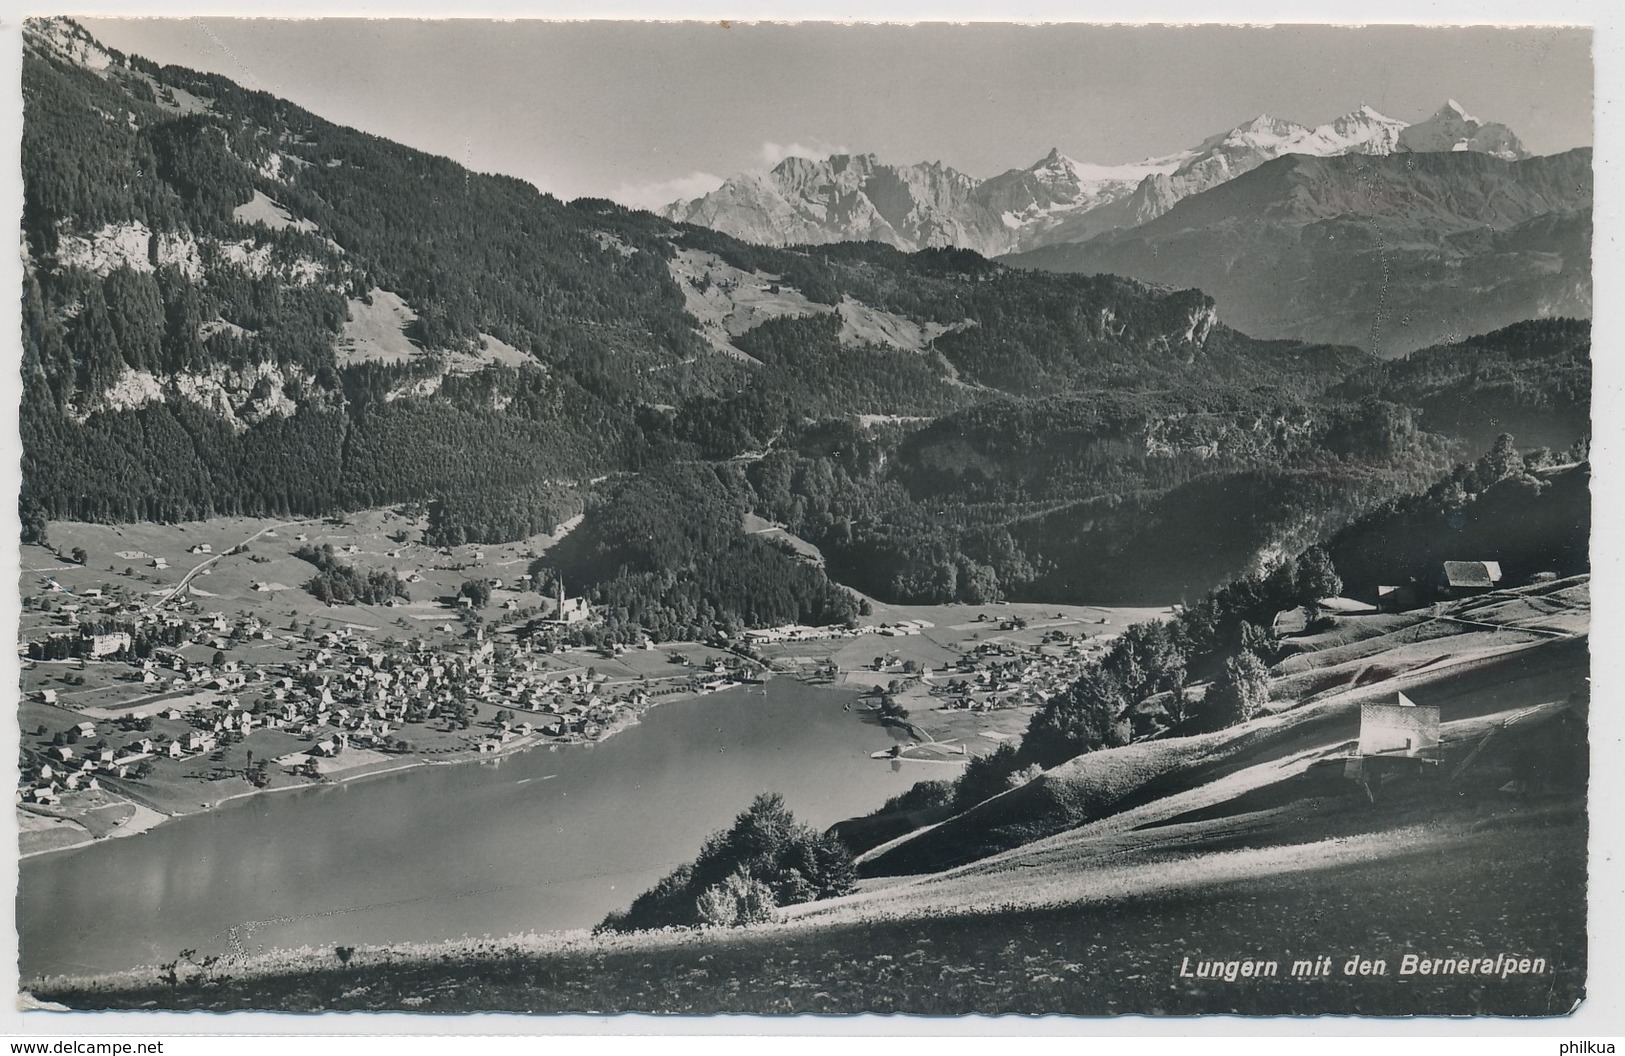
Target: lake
(542,840)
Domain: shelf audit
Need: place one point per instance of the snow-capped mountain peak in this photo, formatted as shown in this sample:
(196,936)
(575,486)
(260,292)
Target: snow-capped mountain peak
(1453,107)
(1361,131)
(1055,199)
(1266,124)
(1366,116)
(1452,128)
(1261,133)
(1055,166)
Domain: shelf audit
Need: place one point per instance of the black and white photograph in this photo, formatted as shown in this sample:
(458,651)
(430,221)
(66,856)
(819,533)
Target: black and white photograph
(784,518)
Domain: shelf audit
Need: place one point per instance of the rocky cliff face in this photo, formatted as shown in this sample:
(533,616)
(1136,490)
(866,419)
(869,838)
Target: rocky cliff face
(241,396)
(844,198)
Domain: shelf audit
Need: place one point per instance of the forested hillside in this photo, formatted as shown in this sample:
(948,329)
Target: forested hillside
(1531,379)
(1530,514)
(666,554)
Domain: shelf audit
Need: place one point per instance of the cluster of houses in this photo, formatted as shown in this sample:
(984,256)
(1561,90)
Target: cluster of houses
(994,676)
(338,691)
(85,756)
(796,632)
(79,767)
(353,692)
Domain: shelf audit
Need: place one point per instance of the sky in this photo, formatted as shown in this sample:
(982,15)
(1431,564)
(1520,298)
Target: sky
(649,112)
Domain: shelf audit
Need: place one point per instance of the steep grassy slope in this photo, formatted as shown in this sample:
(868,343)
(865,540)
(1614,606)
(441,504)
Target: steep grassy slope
(1477,671)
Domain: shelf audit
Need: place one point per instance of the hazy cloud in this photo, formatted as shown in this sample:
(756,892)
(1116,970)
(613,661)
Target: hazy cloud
(664,192)
(773,153)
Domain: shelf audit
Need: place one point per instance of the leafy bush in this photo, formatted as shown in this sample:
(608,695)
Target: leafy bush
(740,899)
(924,795)
(1023,776)
(985,775)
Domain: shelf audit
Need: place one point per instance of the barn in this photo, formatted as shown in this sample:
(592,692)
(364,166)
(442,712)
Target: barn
(1463,579)
(1402,727)
(1398,597)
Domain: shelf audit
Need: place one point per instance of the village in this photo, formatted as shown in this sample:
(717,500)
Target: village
(310,705)
(174,698)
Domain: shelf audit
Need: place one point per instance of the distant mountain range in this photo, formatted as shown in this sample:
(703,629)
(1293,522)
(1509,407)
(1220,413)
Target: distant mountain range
(1057,199)
(1392,253)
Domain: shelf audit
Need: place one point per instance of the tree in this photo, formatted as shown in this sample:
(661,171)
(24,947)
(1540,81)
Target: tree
(985,776)
(1501,460)
(1177,705)
(1254,639)
(766,846)
(477,591)
(1079,720)
(1315,576)
(79,555)
(1241,690)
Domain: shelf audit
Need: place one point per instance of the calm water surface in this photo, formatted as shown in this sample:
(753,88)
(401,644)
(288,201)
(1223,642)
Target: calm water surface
(541,840)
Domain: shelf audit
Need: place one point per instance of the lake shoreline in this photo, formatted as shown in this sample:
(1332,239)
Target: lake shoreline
(541,841)
(148,817)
